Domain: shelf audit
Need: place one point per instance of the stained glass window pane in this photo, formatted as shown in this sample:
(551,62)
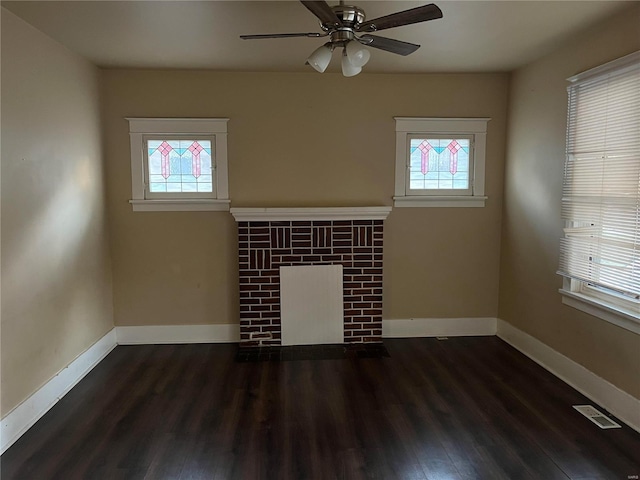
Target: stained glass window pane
(180,166)
(439,164)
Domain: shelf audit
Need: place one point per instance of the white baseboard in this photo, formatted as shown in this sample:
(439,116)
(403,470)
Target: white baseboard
(155,334)
(621,404)
(438,327)
(21,418)
(618,402)
(228,333)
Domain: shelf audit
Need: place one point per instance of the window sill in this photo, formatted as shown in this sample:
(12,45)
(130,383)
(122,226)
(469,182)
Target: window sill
(439,201)
(622,318)
(180,205)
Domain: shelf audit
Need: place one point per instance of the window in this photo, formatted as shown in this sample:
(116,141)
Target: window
(179,164)
(600,250)
(440,162)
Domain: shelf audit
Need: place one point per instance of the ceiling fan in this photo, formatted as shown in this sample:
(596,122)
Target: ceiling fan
(342,24)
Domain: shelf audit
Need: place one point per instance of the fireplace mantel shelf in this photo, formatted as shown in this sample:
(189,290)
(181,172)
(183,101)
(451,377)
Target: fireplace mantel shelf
(313,213)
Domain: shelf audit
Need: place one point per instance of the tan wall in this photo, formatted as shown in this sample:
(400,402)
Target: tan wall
(532,225)
(301,140)
(56,278)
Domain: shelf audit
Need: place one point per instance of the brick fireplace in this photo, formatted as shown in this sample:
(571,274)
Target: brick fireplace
(270,238)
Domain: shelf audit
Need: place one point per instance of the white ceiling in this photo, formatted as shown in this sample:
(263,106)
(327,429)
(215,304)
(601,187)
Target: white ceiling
(473,36)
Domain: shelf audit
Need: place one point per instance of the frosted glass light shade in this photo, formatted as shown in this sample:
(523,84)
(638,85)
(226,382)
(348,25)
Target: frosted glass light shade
(320,58)
(357,54)
(348,68)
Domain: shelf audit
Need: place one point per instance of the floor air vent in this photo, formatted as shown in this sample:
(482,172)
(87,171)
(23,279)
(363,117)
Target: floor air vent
(596,416)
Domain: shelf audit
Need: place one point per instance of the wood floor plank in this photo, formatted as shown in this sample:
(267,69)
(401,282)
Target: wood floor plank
(565,436)
(460,409)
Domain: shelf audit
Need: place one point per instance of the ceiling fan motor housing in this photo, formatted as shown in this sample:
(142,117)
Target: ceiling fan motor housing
(349,15)
(341,36)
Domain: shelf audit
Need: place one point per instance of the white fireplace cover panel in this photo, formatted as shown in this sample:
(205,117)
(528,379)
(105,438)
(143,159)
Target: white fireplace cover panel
(311,305)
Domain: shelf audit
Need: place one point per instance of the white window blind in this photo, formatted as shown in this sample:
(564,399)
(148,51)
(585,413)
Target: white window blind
(601,191)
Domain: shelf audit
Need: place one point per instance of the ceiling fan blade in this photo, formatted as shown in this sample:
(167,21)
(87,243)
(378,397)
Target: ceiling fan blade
(280,35)
(323,11)
(406,17)
(389,44)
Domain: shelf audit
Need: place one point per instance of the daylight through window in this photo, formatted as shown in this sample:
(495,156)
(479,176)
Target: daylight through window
(600,250)
(183,166)
(179,164)
(440,162)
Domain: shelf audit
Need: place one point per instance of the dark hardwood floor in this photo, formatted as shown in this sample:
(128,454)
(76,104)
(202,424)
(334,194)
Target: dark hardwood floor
(463,408)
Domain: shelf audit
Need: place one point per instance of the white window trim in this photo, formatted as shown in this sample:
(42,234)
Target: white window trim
(604,310)
(216,127)
(408,126)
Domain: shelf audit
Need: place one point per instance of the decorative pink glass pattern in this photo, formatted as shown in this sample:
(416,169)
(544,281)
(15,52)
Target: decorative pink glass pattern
(195,150)
(453,163)
(439,164)
(165,149)
(180,166)
(425,147)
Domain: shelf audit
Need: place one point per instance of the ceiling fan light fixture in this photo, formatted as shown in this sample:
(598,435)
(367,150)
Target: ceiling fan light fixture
(358,55)
(348,68)
(321,57)
(341,23)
